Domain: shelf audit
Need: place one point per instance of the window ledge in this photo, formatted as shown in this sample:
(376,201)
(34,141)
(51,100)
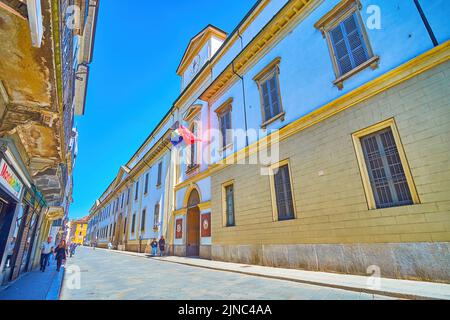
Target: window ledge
(158,186)
(191,169)
(280,116)
(224,149)
(372,62)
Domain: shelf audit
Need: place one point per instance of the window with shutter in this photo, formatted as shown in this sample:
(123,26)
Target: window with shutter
(269,88)
(144,213)
(387,176)
(146,183)
(347,39)
(283,193)
(271,97)
(158,183)
(349,46)
(133,223)
(225,127)
(229,202)
(136,191)
(156,216)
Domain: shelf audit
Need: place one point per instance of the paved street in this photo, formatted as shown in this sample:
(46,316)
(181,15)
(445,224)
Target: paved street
(109,275)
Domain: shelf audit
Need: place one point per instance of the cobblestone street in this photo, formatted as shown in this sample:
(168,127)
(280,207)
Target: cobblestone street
(107,275)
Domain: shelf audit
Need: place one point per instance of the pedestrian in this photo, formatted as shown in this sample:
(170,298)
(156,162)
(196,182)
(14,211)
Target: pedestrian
(110,246)
(50,256)
(72,247)
(60,254)
(154,246)
(46,250)
(162,246)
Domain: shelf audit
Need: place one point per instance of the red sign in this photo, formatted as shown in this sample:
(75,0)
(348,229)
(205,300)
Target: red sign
(206,225)
(179,229)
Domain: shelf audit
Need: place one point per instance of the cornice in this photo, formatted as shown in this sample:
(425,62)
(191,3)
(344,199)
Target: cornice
(291,14)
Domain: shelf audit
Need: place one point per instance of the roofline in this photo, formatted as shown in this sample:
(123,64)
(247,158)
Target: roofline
(193,38)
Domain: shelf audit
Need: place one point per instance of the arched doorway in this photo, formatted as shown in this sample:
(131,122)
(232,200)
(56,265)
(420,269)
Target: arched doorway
(193,225)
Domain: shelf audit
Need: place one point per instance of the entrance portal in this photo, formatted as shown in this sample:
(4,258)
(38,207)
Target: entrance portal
(193,225)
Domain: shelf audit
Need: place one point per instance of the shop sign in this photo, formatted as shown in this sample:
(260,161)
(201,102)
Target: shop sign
(9,180)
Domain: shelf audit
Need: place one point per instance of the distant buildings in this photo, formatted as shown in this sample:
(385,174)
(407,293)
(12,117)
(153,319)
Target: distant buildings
(45,50)
(77,231)
(324,145)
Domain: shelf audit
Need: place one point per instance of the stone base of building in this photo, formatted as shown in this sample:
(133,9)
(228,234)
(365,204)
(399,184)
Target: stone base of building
(413,261)
(180,251)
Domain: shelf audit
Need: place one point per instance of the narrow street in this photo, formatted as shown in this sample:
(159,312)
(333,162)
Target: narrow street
(111,276)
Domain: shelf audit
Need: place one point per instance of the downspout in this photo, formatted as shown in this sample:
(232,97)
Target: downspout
(426,23)
(243,92)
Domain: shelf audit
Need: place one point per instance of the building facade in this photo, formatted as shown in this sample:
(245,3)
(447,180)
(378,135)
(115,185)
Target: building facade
(43,44)
(77,231)
(323,130)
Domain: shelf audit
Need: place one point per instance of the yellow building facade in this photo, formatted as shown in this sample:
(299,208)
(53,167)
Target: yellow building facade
(78,229)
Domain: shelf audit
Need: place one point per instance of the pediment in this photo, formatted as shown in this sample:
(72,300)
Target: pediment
(197,43)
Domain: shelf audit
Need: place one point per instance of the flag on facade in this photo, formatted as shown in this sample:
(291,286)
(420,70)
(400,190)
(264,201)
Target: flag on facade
(176,138)
(188,137)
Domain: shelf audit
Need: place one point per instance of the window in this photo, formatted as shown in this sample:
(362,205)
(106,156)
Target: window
(128,196)
(156,217)
(121,204)
(124,225)
(193,148)
(158,183)
(137,191)
(282,197)
(269,89)
(228,204)
(347,40)
(146,183)
(224,117)
(144,213)
(386,176)
(225,127)
(133,223)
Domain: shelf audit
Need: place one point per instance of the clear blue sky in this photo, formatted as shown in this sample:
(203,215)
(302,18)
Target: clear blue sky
(133,83)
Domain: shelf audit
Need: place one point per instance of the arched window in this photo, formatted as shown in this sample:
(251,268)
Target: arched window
(194,199)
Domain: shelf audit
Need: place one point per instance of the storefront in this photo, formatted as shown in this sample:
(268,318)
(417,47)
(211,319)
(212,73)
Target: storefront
(21,207)
(26,228)
(11,191)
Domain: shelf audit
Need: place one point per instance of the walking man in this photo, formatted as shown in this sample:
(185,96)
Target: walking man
(46,250)
(162,246)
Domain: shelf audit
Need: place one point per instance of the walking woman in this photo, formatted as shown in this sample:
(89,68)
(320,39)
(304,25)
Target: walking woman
(61,254)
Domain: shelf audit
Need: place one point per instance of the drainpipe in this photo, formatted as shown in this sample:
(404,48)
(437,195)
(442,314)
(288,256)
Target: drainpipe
(243,92)
(426,23)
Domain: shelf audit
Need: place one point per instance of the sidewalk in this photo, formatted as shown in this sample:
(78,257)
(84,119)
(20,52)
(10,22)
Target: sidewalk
(405,289)
(35,285)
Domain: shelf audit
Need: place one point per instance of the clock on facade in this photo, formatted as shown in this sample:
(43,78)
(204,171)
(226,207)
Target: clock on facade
(196,65)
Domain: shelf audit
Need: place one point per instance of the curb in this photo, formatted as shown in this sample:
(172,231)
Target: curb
(55,288)
(315,283)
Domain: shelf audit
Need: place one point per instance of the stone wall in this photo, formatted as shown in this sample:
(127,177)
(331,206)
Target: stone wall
(394,260)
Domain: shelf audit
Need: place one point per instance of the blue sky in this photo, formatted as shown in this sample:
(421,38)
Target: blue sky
(133,82)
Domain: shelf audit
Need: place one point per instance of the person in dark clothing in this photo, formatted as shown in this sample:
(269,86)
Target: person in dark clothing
(60,254)
(154,246)
(46,251)
(162,246)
